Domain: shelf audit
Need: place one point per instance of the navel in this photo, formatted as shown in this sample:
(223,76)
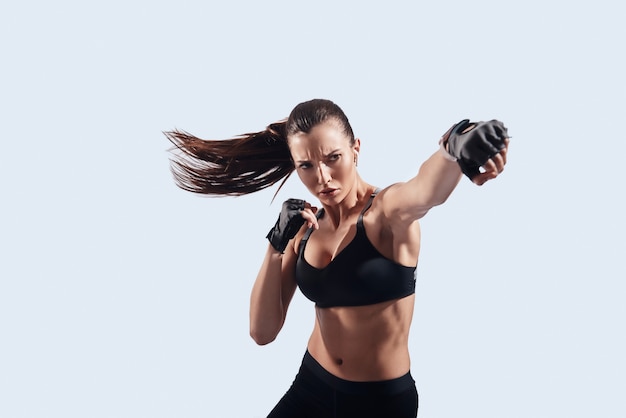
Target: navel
(338,361)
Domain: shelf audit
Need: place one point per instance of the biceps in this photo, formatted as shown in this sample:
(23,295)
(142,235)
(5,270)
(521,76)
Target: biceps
(403,203)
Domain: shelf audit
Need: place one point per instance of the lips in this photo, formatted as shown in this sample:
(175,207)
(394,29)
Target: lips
(327,192)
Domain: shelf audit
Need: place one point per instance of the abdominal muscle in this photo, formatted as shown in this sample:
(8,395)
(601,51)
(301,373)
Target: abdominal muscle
(364,343)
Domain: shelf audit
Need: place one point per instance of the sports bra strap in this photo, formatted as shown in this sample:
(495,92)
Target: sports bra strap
(320,213)
(307,234)
(359,221)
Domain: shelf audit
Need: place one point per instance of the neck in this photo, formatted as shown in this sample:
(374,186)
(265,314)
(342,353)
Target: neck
(353,203)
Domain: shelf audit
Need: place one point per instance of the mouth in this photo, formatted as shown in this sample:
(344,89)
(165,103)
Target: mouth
(327,192)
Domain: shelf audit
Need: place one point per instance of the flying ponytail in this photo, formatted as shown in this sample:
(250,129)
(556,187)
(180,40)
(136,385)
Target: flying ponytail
(250,162)
(232,167)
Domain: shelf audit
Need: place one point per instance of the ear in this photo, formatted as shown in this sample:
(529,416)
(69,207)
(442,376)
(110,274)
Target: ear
(355,148)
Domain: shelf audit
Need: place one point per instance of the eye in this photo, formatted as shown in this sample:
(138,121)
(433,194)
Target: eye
(304,166)
(334,157)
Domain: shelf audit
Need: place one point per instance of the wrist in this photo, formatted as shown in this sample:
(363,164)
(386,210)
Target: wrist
(273,253)
(443,149)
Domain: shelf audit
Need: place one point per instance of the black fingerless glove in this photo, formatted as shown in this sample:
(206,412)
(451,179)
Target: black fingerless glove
(288,224)
(474,148)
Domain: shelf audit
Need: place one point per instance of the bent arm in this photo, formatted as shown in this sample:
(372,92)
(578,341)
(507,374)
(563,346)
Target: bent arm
(271,294)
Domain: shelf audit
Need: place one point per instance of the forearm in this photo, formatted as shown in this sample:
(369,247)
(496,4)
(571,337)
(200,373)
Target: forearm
(436,180)
(477,150)
(267,309)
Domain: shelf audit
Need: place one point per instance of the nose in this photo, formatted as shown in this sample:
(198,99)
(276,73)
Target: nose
(323,174)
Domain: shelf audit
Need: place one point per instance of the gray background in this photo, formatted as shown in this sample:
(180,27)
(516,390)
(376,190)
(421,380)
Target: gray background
(122,296)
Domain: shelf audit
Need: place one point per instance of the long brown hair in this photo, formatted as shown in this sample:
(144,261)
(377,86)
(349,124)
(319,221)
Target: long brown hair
(250,162)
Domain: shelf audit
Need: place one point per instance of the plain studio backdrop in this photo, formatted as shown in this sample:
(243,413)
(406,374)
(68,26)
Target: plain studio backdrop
(123,296)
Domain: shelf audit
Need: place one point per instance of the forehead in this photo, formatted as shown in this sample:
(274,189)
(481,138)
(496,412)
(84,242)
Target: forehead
(322,138)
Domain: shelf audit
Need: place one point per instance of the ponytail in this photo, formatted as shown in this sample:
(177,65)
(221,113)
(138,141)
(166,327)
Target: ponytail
(232,167)
(250,162)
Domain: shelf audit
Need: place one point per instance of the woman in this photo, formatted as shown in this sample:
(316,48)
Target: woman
(355,257)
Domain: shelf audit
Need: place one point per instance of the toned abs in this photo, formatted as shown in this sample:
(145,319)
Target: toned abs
(364,343)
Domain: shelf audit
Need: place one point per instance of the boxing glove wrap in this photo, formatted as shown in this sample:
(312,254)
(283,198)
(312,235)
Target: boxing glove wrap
(473,148)
(288,224)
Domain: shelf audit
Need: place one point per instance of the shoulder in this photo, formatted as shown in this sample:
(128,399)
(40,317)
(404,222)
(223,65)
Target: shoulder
(395,236)
(400,204)
(389,208)
(389,203)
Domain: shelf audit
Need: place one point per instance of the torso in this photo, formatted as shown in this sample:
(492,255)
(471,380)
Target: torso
(370,342)
(364,343)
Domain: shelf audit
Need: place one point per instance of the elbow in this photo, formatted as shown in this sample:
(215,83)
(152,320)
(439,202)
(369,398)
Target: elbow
(263,335)
(421,211)
(264,326)
(439,201)
(262,338)
(434,199)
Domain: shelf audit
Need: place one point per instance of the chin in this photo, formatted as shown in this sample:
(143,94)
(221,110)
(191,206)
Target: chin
(331,199)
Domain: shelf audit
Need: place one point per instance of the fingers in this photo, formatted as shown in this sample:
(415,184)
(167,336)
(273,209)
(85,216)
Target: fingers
(483,178)
(308,213)
(493,167)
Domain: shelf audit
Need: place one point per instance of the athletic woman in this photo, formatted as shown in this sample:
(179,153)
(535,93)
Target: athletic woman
(355,256)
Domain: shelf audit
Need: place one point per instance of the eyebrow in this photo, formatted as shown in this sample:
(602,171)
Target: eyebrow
(335,151)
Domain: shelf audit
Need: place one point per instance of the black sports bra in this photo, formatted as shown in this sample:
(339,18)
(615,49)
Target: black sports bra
(359,275)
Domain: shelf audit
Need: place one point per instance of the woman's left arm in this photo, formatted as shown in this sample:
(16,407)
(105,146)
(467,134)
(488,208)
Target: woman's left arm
(439,175)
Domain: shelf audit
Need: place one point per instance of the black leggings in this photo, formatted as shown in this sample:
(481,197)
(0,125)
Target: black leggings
(315,393)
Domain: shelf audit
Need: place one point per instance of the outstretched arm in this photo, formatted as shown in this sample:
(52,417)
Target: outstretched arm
(439,175)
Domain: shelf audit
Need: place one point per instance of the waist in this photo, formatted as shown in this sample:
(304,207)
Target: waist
(381,387)
(363,343)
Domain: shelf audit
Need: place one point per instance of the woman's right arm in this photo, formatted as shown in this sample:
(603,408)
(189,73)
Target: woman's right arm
(272,292)
(276,282)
